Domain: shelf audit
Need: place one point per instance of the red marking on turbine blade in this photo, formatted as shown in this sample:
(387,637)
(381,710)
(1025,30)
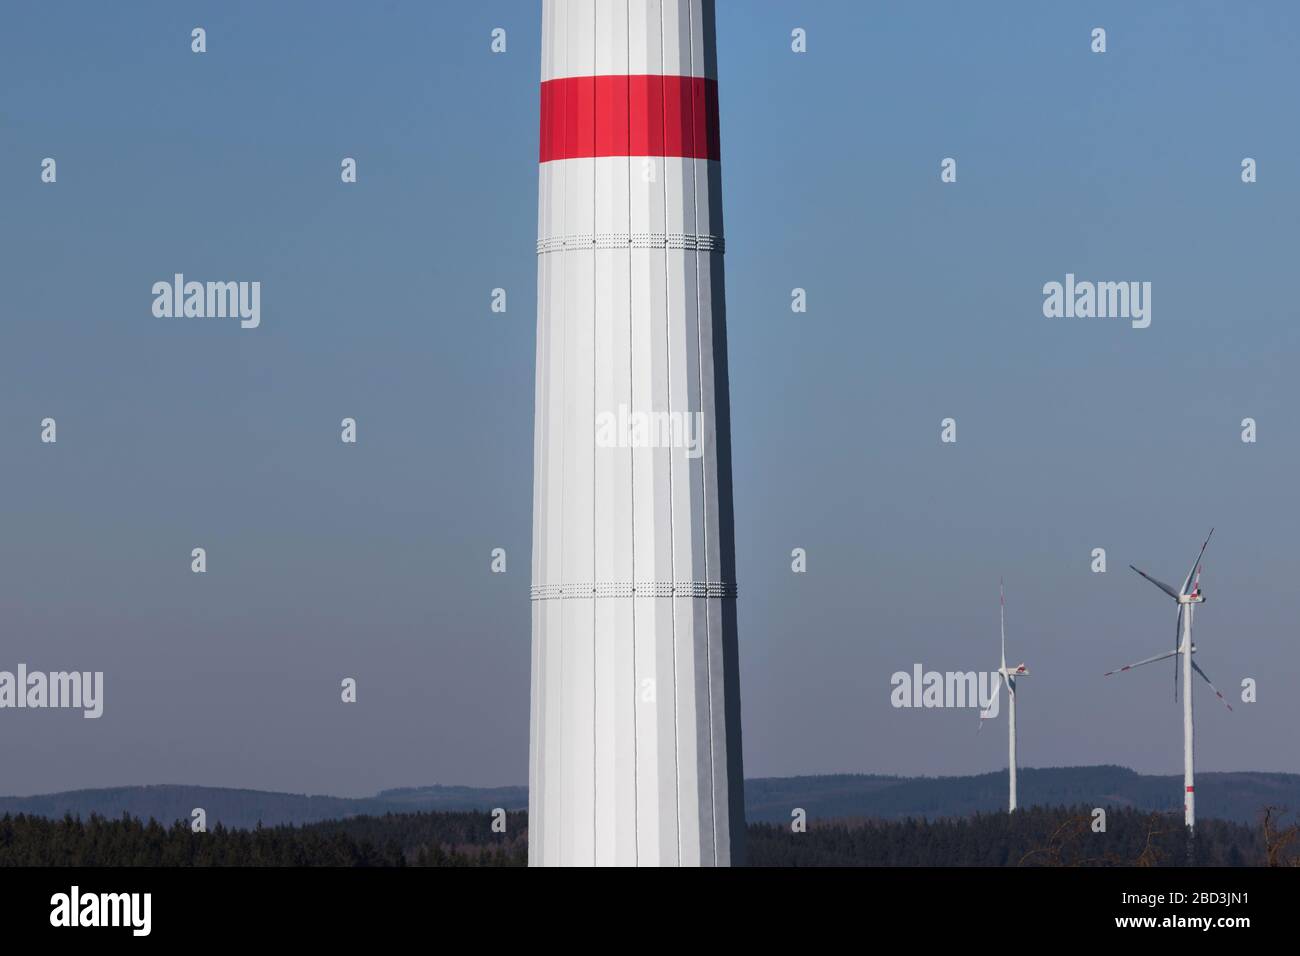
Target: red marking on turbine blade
(1191,789)
(583,117)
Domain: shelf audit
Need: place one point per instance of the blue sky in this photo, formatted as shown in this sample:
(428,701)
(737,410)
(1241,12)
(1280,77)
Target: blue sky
(924,299)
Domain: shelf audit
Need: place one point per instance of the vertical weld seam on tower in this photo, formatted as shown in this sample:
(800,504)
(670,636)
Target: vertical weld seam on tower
(595,776)
(709,572)
(631,464)
(668,399)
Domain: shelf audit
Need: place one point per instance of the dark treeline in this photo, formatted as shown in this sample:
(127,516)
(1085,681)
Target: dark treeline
(1035,836)
(439,839)
(39,841)
(406,839)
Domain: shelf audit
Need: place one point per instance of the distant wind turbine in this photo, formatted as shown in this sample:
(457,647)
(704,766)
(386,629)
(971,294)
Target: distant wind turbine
(1008,676)
(1188,596)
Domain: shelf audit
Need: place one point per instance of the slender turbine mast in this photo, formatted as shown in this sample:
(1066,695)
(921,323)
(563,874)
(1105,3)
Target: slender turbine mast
(1008,676)
(635,755)
(1188,596)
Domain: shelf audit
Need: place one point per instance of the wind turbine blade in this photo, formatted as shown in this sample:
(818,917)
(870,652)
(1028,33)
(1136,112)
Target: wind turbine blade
(1187,581)
(1178,637)
(1149,660)
(984,714)
(1197,667)
(1002,596)
(1160,584)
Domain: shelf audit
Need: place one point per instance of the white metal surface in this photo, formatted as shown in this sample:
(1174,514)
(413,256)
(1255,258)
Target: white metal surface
(1189,787)
(635,738)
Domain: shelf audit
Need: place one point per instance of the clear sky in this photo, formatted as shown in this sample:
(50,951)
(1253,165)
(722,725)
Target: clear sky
(924,302)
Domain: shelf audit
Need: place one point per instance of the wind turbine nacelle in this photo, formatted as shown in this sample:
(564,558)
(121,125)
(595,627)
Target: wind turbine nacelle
(1194,598)
(1021,671)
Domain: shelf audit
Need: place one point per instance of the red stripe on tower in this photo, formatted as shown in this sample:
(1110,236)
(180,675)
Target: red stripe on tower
(646,115)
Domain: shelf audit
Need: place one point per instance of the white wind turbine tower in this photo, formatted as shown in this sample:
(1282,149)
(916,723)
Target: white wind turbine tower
(1188,596)
(1008,676)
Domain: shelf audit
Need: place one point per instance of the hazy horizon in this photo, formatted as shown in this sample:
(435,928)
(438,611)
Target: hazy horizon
(524,785)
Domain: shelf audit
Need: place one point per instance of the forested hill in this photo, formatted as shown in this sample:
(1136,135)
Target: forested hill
(247,808)
(1227,796)
(1041,836)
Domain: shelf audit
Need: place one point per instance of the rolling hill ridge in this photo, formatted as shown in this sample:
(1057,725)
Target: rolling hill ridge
(1234,796)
